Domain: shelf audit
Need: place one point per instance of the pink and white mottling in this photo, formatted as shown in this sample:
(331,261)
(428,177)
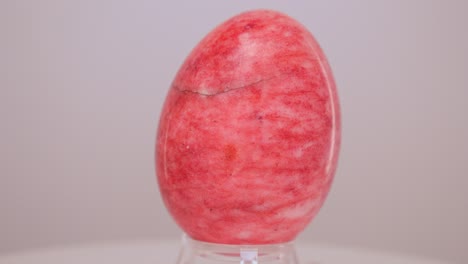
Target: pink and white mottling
(249,135)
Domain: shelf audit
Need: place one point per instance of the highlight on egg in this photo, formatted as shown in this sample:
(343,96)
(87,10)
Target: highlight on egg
(249,134)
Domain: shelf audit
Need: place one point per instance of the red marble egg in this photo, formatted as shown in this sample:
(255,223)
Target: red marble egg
(249,134)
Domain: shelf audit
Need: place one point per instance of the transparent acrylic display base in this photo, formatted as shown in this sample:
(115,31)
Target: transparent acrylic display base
(197,252)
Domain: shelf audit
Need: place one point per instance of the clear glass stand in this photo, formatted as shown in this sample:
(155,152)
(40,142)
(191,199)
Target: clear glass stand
(197,252)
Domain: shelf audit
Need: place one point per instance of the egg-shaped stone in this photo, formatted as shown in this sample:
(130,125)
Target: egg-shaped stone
(249,134)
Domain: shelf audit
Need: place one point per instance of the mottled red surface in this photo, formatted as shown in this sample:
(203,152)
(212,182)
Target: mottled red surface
(249,134)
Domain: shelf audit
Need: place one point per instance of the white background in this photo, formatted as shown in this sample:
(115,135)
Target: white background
(82,84)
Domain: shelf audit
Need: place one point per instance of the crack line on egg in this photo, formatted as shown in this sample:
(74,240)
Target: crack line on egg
(188,90)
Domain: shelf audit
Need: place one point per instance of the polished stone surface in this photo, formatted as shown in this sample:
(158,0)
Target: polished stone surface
(249,135)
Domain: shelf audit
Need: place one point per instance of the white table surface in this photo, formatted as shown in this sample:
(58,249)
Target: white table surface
(158,252)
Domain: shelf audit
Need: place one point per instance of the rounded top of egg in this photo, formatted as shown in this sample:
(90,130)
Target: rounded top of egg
(248,48)
(249,134)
